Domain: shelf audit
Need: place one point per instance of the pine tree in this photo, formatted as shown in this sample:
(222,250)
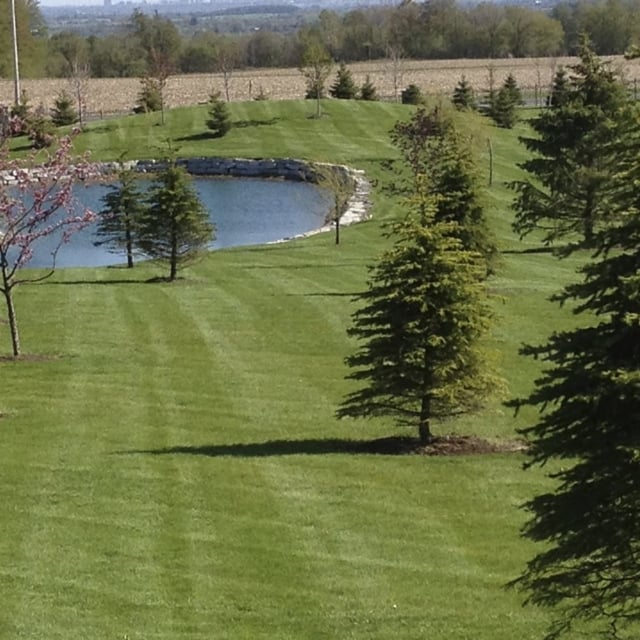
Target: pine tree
(568,190)
(513,90)
(420,326)
(412,95)
(175,227)
(463,97)
(150,96)
(503,104)
(560,90)
(119,221)
(344,87)
(63,112)
(219,120)
(442,166)
(368,90)
(589,397)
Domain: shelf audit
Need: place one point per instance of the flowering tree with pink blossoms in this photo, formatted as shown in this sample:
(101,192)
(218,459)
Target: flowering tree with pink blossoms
(36,201)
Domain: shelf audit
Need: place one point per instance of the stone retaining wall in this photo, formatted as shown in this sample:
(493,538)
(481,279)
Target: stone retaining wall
(358,207)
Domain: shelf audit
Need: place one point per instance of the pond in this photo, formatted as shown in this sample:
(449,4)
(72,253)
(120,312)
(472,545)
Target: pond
(245,211)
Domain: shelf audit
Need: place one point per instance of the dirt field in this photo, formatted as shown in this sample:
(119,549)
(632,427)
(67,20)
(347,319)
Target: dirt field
(108,96)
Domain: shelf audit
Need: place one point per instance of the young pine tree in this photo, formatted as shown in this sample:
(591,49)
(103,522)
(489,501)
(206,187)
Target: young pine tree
(502,108)
(119,221)
(63,112)
(175,226)
(219,120)
(463,97)
(420,327)
(344,87)
(368,90)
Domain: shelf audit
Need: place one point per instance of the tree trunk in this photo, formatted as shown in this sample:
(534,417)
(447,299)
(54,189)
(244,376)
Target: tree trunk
(129,246)
(173,272)
(424,428)
(7,291)
(338,230)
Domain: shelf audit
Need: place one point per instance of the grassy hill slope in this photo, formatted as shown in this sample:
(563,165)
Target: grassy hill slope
(173,469)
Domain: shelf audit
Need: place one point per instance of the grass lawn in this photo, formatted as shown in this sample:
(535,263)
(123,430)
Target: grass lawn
(174,470)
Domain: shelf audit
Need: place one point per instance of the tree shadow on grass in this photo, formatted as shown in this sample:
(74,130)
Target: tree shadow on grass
(243,124)
(311,446)
(530,250)
(447,445)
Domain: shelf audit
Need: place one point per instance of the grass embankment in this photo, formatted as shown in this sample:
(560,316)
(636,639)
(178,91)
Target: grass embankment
(178,472)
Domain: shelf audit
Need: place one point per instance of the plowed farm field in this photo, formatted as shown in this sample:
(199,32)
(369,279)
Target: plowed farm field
(109,96)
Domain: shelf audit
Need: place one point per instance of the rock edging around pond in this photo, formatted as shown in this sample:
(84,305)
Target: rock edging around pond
(357,207)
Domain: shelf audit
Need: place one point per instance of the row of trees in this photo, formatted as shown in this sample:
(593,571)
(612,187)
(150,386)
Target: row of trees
(437,29)
(581,194)
(422,318)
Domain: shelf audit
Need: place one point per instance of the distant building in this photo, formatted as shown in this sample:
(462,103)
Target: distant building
(107,3)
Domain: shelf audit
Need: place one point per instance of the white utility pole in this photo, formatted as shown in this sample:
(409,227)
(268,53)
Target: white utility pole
(16,67)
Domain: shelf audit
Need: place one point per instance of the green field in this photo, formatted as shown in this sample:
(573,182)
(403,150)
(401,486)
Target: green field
(172,468)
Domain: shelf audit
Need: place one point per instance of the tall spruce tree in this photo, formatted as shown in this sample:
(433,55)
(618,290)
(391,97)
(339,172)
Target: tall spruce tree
(175,227)
(119,221)
(567,194)
(589,396)
(422,321)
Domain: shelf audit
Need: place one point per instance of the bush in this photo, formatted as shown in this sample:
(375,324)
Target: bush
(41,130)
(412,95)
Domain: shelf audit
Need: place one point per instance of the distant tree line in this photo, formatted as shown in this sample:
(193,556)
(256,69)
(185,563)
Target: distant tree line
(434,29)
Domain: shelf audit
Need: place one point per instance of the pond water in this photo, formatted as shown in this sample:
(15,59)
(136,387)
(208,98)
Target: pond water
(245,211)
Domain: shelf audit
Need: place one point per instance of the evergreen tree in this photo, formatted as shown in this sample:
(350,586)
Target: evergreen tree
(568,190)
(589,396)
(368,90)
(118,222)
(150,96)
(503,103)
(512,89)
(412,95)
(344,87)
(421,323)
(560,91)
(463,97)
(431,147)
(63,112)
(175,226)
(219,120)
